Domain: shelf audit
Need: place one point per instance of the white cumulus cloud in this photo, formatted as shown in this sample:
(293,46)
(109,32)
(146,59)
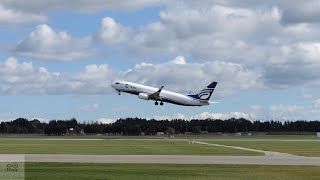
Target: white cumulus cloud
(179,60)
(14,16)
(82,6)
(193,77)
(23,78)
(112,32)
(206,115)
(105,120)
(45,43)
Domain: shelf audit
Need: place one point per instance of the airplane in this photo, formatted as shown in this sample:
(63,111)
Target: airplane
(151,93)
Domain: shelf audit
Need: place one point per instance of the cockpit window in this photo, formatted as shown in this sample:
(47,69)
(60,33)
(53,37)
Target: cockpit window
(117,83)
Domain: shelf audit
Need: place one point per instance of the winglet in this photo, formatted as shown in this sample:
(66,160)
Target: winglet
(160,89)
(156,95)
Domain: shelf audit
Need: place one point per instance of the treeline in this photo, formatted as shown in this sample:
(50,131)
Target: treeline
(135,126)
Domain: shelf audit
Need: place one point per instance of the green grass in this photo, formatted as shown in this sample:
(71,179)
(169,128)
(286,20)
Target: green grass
(163,136)
(249,137)
(297,148)
(114,147)
(66,171)
(80,137)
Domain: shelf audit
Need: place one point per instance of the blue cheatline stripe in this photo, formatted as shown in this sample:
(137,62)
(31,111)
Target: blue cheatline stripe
(162,98)
(131,92)
(165,99)
(202,100)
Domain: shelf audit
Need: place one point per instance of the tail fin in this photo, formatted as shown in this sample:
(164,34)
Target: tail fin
(206,93)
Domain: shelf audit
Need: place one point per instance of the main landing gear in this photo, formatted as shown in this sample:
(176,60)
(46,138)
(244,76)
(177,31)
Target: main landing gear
(119,93)
(156,103)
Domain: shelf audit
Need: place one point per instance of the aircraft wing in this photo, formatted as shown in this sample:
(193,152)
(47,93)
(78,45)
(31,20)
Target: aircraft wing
(156,95)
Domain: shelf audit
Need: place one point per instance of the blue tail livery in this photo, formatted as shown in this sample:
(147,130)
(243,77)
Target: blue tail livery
(205,93)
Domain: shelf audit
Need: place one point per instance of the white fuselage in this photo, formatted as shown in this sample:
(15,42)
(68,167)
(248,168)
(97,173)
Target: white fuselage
(165,96)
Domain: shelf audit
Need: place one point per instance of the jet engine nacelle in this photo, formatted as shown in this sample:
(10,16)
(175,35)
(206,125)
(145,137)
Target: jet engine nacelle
(143,96)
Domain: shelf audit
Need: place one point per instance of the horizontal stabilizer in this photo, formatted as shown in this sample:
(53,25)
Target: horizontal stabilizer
(213,102)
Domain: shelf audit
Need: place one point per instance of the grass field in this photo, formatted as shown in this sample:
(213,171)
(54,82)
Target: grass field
(163,136)
(80,137)
(64,171)
(114,147)
(250,137)
(297,148)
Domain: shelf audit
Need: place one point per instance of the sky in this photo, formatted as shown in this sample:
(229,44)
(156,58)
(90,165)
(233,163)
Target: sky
(59,57)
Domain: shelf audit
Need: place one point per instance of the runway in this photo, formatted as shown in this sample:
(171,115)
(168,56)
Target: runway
(170,159)
(262,140)
(270,158)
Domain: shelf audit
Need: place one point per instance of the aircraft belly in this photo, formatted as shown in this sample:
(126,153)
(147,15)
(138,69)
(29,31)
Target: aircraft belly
(176,100)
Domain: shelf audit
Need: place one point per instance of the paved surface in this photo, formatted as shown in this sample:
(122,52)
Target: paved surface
(170,159)
(263,140)
(270,158)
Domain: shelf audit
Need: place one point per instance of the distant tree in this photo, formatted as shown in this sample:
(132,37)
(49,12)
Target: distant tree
(196,130)
(170,131)
(132,131)
(134,126)
(151,131)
